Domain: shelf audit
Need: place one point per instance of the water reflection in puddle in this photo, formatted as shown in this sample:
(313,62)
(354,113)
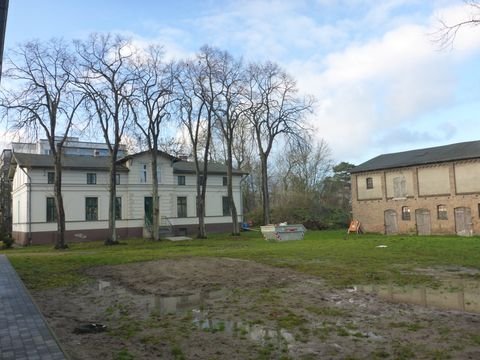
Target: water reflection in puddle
(459,295)
(255,332)
(163,305)
(193,303)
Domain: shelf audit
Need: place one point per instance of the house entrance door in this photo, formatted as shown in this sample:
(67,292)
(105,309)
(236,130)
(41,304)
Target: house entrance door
(422,217)
(148,206)
(391,225)
(463,221)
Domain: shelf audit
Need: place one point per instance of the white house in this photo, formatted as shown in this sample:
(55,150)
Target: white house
(85,189)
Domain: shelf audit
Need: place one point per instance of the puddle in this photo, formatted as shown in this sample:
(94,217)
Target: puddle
(164,305)
(194,304)
(255,332)
(455,295)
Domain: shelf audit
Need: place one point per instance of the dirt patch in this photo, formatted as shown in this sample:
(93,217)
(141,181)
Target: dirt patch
(198,308)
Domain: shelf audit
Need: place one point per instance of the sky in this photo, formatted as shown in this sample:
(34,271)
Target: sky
(382,83)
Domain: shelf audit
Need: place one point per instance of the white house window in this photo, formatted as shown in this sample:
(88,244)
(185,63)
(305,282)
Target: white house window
(181,180)
(50,177)
(118,208)
(117,179)
(51,210)
(143,174)
(91,209)
(225,181)
(226,206)
(181,206)
(91,178)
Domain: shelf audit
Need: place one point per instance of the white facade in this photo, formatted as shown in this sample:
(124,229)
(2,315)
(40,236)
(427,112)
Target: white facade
(31,191)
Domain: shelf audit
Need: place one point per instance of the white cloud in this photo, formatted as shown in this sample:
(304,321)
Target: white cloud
(386,83)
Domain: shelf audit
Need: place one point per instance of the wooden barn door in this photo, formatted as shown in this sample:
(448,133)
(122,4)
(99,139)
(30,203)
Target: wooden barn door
(463,221)
(391,226)
(422,217)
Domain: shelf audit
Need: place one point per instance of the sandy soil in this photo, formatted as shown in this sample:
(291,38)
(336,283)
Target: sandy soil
(231,309)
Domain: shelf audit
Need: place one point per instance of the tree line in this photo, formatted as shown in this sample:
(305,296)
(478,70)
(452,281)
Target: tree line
(229,111)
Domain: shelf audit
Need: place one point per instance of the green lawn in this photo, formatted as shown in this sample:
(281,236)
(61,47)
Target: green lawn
(338,259)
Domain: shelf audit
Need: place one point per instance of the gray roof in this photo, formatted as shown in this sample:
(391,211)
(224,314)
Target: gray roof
(433,155)
(159,152)
(68,162)
(188,167)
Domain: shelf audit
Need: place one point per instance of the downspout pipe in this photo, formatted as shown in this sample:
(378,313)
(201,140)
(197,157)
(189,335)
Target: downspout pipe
(29,207)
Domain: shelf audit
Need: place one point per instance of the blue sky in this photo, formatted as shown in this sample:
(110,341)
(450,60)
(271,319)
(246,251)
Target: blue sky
(382,84)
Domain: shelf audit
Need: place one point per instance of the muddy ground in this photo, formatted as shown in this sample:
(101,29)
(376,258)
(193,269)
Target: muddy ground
(231,309)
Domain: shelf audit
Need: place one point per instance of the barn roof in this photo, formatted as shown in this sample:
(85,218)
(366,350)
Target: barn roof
(439,154)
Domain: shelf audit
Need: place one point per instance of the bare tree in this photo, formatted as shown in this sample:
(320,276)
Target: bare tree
(229,108)
(43,100)
(198,95)
(275,110)
(107,80)
(155,83)
(446,34)
(305,165)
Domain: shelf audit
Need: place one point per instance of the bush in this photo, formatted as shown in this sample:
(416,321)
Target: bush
(5,239)
(254,217)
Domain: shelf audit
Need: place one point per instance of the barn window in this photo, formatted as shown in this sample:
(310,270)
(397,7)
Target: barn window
(405,213)
(369,183)
(442,212)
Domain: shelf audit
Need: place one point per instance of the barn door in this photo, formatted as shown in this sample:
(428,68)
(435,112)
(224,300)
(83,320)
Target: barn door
(463,221)
(422,217)
(391,226)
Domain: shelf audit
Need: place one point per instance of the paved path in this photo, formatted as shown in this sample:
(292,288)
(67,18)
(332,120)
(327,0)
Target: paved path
(24,333)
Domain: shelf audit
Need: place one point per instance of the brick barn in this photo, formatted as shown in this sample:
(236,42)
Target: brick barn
(426,191)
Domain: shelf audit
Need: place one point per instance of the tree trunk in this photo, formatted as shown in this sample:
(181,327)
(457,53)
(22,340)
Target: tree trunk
(60,238)
(202,231)
(233,208)
(155,199)
(265,195)
(112,238)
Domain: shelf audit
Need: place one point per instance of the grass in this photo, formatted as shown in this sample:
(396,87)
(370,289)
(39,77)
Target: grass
(338,259)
